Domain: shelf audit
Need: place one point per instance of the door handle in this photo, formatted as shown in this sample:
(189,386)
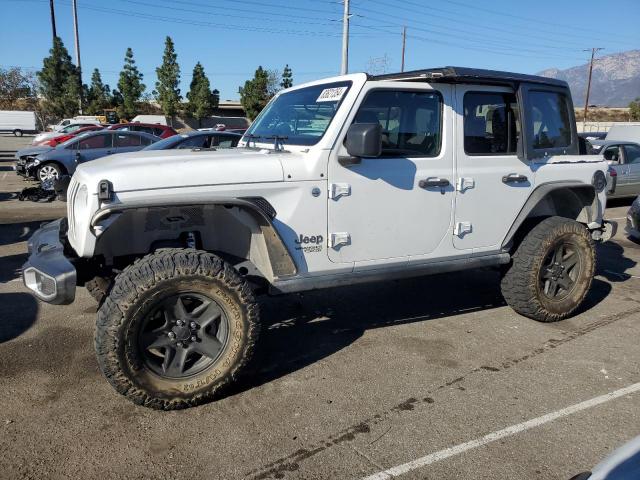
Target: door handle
(109,152)
(434,182)
(514,178)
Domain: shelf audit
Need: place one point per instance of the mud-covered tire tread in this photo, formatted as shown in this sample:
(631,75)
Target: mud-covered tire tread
(98,287)
(519,282)
(139,277)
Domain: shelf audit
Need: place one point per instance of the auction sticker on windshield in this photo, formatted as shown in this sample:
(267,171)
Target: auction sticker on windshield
(331,94)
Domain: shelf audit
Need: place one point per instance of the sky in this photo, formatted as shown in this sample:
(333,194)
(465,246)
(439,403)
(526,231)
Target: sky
(232,37)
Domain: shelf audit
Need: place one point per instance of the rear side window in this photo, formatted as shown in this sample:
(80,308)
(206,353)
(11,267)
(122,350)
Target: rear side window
(148,130)
(157,132)
(612,154)
(226,142)
(124,140)
(198,141)
(411,121)
(95,141)
(632,154)
(145,141)
(491,123)
(549,119)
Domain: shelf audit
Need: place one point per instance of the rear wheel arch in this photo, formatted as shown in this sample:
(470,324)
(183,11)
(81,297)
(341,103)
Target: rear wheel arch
(572,200)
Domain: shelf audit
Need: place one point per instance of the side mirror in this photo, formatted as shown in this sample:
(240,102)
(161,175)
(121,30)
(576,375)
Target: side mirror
(364,140)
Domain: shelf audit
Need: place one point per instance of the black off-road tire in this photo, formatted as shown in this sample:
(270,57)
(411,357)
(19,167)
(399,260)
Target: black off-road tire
(98,287)
(522,283)
(133,295)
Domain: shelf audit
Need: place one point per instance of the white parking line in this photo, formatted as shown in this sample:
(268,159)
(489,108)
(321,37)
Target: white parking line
(619,218)
(505,432)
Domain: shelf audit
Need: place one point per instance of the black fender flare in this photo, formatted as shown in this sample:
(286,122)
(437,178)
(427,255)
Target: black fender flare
(260,209)
(587,190)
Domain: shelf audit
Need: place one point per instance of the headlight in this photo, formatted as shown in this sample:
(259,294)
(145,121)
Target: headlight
(36,162)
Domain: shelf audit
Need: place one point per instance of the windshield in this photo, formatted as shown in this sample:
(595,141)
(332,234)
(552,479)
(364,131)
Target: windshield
(166,143)
(300,117)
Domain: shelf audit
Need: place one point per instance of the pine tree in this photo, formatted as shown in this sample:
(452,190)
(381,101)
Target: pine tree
(97,95)
(202,101)
(287,77)
(255,95)
(59,82)
(167,92)
(130,86)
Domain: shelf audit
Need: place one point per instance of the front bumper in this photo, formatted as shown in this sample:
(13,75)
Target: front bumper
(49,273)
(25,169)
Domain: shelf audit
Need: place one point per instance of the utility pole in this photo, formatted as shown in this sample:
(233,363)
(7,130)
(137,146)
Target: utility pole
(404,43)
(345,39)
(586,100)
(53,19)
(75,28)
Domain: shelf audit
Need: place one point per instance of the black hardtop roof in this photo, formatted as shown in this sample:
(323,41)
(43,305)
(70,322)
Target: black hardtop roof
(469,75)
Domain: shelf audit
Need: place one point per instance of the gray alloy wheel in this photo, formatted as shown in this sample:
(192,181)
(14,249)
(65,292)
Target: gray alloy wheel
(48,171)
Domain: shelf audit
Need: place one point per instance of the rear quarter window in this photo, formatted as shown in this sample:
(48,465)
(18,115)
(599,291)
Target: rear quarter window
(549,120)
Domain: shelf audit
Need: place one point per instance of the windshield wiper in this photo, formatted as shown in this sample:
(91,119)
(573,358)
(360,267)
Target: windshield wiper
(249,137)
(278,144)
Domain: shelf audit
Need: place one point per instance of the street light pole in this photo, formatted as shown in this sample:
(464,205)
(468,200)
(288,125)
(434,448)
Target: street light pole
(75,28)
(404,43)
(53,19)
(345,39)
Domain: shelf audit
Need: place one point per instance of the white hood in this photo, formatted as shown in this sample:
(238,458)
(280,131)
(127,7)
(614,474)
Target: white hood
(160,169)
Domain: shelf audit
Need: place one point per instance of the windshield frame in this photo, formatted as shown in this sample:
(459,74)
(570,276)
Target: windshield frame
(261,139)
(172,140)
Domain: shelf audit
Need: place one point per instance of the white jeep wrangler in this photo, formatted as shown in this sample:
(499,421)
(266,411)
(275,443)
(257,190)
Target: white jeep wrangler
(345,180)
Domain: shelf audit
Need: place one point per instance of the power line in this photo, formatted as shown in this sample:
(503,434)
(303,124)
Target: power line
(242,10)
(523,18)
(518,33)
(504,52)
(474,46)
(475,40)
(218,26)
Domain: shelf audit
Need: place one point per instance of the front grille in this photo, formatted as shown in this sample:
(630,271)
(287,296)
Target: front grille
(71,196)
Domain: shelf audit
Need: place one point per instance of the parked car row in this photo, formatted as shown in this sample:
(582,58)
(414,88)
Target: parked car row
(52,159)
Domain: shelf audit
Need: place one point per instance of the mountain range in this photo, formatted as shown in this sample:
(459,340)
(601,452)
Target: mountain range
(615,81)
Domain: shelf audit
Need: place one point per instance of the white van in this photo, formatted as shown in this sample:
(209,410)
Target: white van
(88,119)
(17,122)
(156,119)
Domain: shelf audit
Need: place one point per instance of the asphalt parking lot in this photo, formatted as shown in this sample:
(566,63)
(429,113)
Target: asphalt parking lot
(346,384)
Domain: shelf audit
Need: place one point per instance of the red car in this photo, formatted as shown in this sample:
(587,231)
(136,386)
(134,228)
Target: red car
(55,141)
(156,129)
